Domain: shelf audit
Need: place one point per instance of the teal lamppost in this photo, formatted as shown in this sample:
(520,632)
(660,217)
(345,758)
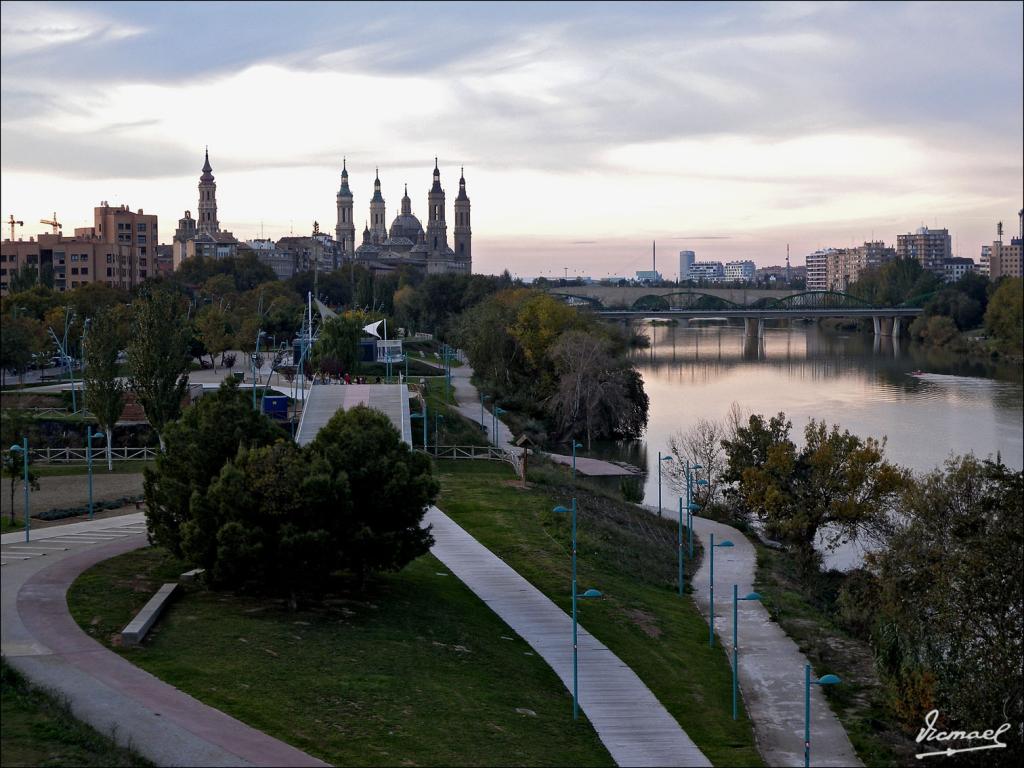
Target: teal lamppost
(498,410)
(575,596)
(824,680)
(24,453)
(437,440)
(482,398)
(255,356)
(575,445)
(735,647)
(711,603)
(660,459)
(89,437)
(423,417)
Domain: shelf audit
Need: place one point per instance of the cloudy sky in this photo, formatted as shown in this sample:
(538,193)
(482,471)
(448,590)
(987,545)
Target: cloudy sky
(586,130)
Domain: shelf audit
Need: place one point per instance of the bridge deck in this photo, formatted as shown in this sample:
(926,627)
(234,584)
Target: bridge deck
(325,400)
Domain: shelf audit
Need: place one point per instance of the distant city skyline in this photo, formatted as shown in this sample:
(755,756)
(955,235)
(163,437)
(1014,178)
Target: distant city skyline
(586,131)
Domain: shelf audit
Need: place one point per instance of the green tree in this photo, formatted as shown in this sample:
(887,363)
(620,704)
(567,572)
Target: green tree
(1004,318)
(838,486)
(23,279)
(104,389)
(14,427)
(947,598)
(389,485)
(20,338)
(197,446)
(212,325)
(339,341)
(158,356)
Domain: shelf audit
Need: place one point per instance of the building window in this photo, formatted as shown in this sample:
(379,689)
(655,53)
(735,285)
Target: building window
(33,258)
(140,227)
(140,239)
(85,270)
(74,270)
(110,273)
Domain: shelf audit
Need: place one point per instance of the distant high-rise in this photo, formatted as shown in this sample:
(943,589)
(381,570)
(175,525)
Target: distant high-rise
(686,260)
(931,247)
(817,269)
(739,271)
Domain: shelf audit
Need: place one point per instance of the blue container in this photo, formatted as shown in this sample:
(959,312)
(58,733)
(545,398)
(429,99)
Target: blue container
(276,406)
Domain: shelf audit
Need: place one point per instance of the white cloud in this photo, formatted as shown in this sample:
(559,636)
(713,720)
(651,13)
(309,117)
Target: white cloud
(31,27)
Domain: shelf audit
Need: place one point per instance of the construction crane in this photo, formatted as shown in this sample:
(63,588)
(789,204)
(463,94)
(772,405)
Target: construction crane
(53,223)
(12,223)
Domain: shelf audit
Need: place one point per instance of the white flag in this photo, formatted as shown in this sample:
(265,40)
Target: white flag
(372,328)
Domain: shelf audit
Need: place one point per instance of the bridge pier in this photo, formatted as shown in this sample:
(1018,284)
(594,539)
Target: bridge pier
(753,326)
(884,325)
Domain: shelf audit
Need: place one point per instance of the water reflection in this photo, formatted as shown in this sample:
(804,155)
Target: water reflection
(864,384)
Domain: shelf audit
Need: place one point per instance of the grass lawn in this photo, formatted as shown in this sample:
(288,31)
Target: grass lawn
(859,702)
(416,671)
(630,556)
(6,524)
(99,467)
(40,730)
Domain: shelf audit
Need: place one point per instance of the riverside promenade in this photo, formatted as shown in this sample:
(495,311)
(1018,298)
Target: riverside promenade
(771,666)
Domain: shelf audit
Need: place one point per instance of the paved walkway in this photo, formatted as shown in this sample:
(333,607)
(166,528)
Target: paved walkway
(636,729)
(40,639)
(468,404)
(771,667)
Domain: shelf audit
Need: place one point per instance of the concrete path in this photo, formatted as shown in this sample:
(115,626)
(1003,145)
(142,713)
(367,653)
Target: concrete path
(771,667)
(39,638)
(468,404)
(636,729)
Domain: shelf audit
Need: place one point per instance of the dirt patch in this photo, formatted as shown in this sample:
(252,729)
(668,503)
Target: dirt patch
(70,491)
(646,621)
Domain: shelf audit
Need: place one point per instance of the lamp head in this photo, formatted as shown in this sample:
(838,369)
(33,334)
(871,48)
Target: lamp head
(561,510)
(666,458)
(725,543)
(693,507)
(828,680)
(696,466)
(101,435)
(702,482)
(751,596)
(595,593)
(576,445)
(16,448)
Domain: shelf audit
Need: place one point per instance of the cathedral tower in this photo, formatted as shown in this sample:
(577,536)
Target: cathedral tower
(208,200)
(463,234)
(345,231)
(378,220)
(437,230)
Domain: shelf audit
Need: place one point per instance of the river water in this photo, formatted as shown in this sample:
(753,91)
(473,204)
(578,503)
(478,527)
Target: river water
(955,405)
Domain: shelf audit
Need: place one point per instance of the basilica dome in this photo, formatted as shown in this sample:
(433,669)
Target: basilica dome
(406,225)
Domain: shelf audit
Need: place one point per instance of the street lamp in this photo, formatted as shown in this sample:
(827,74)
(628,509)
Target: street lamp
(255,355)
(437,440)
(824,680)
(682,550)
(735,647)
(711,623)
(482,398)
(575,445)
(498,410)
(24,452)
(660,459)
(575,596)
(89,435)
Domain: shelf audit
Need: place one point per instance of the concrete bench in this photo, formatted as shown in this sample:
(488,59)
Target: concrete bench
(146,618)
(190,576)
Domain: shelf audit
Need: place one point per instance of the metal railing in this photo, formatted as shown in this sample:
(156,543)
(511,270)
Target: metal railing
(99,453)
(484,452)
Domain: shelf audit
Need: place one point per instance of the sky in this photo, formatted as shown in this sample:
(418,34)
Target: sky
(587,130)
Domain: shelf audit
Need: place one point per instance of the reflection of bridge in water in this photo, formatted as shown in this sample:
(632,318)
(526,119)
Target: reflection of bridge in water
(753,307)
(801,351)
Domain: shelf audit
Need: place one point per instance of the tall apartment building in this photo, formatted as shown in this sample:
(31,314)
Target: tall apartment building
(739,271)
(1005,260)
(845,265)
(708,271)
(956,267)
(119,250)
(817,269)
(686,260)
(931,247)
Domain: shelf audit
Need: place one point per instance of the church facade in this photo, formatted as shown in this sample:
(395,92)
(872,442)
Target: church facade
(202,236)
(406,242)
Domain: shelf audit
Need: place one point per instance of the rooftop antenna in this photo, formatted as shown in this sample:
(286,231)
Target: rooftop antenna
(999,232)
(654,257)
(787,262)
